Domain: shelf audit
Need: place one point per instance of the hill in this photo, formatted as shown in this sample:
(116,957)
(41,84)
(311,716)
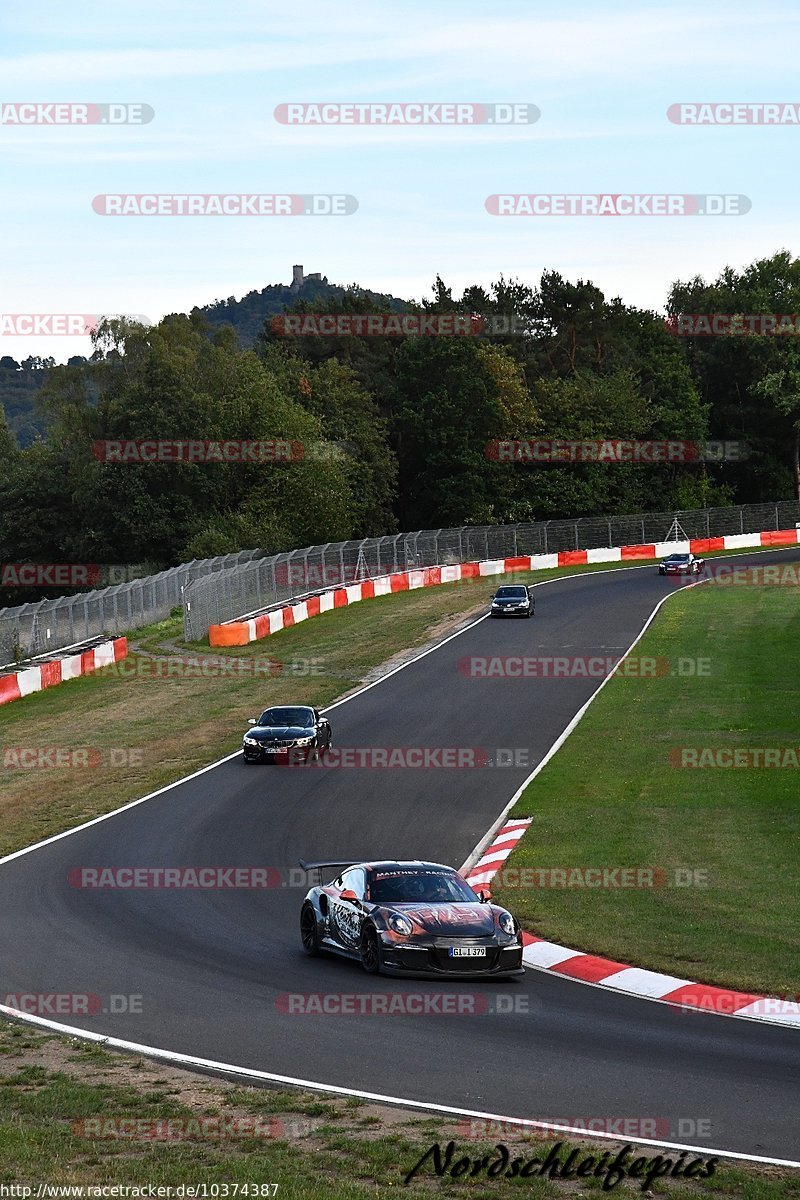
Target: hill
(247,316)
(20,383)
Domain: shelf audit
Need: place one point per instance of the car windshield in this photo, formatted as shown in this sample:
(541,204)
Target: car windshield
(300,717)
(413,886)
(678,558)
(516,593)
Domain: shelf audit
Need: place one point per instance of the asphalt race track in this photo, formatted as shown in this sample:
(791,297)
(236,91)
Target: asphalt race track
(213,968)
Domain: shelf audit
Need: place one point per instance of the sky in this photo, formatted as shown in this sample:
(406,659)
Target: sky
(212,74)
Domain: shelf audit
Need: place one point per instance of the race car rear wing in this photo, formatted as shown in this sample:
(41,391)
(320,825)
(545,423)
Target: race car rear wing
(319,867)
(316,866)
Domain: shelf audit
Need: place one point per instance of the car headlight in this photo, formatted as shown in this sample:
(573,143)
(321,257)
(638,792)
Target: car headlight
(304,741)
(506,922)
(250,741)
(401,924)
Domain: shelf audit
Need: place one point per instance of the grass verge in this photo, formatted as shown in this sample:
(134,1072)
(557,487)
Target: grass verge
(138,725)
(726,839)
(74,1114)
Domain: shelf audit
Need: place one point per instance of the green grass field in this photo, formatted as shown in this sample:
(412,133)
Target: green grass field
(135,721)
(612,796)
(56,1096)
(739,827)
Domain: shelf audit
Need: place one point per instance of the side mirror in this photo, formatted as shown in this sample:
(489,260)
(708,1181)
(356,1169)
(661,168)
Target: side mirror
(252,721)
(485,895)
(348,894)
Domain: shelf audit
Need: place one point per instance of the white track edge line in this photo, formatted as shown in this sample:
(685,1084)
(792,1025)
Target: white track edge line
(474,857)
(679,1008)
(218,762)
(175,1057)
(572,723)
(172,1056)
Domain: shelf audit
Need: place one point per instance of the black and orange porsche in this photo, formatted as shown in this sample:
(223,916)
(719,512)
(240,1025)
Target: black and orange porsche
(409,918)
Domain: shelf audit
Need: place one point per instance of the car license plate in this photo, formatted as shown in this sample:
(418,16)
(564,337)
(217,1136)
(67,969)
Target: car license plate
(467,951)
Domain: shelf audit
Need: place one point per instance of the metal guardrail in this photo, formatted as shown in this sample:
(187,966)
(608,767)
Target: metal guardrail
(250,587)
(215,590)
(47,625)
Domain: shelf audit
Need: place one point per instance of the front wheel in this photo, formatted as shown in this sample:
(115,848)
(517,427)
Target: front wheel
(370,951)
(309,932)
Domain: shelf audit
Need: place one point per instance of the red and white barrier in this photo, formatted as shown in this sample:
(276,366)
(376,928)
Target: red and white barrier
(239,633)
(604,972)
(635,981)
(497,852)
(35,679)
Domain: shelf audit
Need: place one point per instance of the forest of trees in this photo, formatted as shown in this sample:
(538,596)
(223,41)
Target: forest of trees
(414,414)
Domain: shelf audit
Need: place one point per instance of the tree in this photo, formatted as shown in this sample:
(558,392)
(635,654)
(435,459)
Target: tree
(729,369)
(782,389)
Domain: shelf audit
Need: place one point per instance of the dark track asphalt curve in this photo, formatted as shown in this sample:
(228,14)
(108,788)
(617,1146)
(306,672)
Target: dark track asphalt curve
(212,967)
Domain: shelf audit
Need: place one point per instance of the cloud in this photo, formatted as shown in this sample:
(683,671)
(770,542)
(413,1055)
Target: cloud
(504,49)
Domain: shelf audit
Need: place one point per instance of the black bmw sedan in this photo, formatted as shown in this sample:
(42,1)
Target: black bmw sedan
(287,734)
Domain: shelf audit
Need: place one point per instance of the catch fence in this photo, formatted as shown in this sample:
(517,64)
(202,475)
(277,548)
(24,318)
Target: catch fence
(248,588)
(214,590)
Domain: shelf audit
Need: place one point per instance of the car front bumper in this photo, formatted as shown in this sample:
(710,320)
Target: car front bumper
(434,961)
(281,754)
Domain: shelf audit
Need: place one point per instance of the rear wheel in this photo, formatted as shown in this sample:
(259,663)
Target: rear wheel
(370,951)
(309,932)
